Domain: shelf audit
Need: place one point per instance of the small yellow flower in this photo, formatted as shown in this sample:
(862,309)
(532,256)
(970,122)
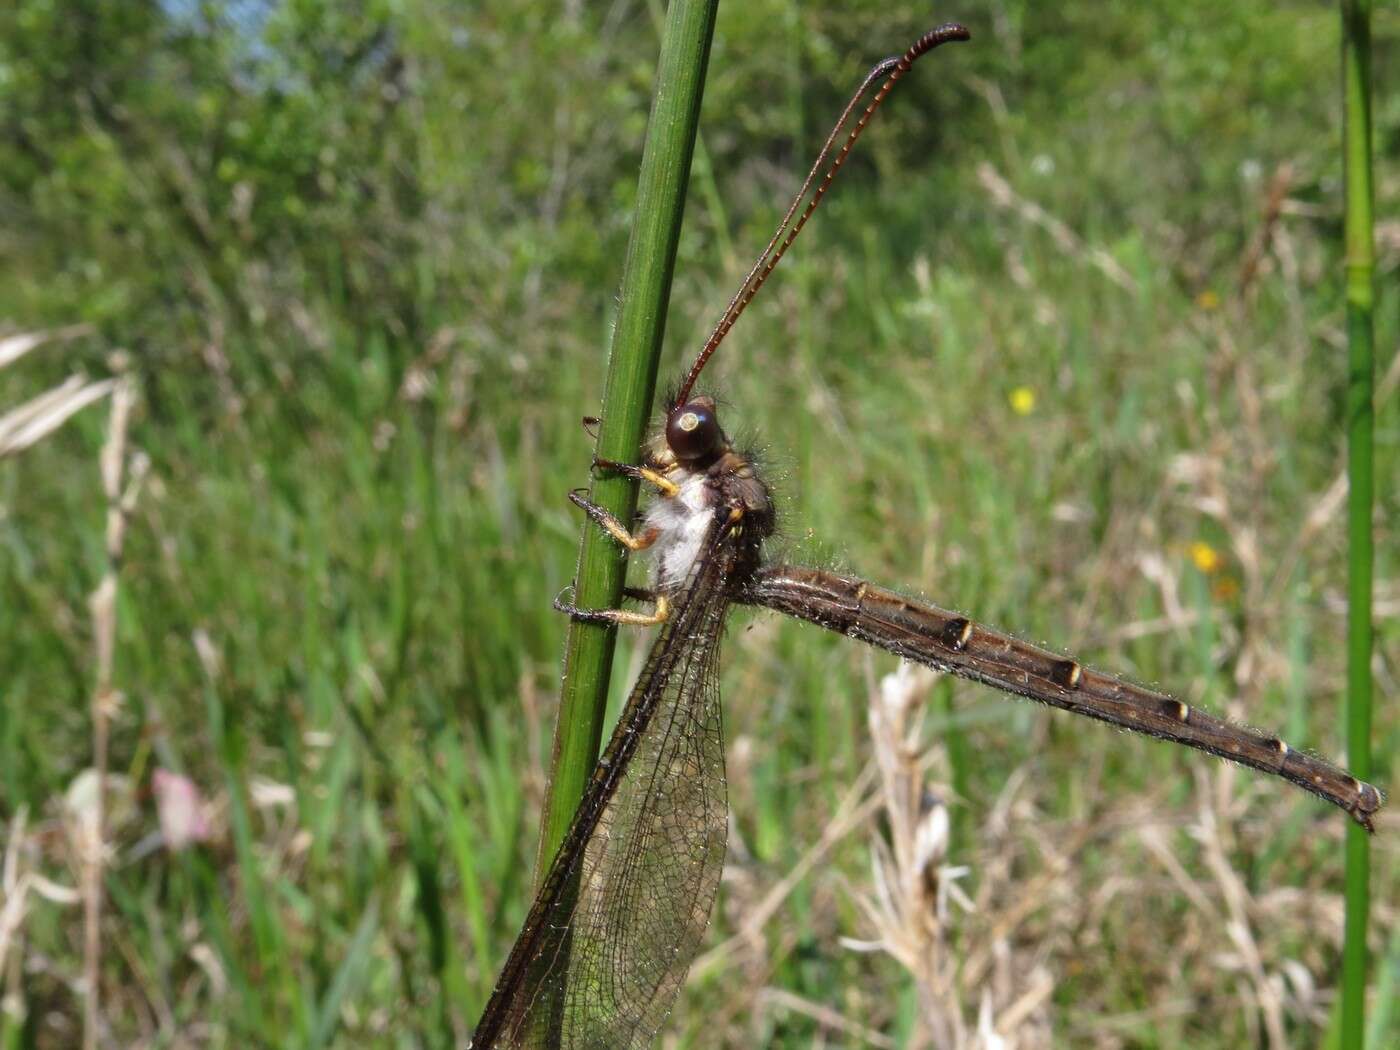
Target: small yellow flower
(1208,300)
(1205,557)
(1022,400)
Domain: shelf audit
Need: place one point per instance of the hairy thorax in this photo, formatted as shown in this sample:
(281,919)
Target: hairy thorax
(683,520)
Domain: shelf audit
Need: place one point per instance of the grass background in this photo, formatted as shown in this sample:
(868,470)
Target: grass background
(362,259)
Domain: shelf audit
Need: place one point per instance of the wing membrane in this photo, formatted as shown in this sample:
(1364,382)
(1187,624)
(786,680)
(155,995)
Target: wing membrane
(625,904)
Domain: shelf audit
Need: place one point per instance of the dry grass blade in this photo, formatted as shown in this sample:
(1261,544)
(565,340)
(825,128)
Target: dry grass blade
(14,886)
(1326,506)
(853,812)
(20,428)
(40,416)
(825,1016)
(13,347)
(908,905)
(17,881)
(981,984)
(1065,239)
(106,699)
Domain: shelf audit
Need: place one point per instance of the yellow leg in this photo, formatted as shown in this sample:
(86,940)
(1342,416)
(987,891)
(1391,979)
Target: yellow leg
(664,485)
(612,526)
(625,617)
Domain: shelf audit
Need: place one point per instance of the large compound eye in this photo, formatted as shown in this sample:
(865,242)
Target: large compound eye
(693,432)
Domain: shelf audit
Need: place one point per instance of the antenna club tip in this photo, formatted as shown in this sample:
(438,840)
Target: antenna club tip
(891,69)
(944,34)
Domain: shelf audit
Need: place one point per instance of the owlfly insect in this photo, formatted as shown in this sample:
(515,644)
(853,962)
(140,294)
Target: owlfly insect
(625,903)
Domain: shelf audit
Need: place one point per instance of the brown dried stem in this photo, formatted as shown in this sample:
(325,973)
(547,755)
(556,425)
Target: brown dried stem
(105,699)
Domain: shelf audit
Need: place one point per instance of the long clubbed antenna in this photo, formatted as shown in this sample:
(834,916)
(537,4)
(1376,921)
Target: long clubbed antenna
(892,69)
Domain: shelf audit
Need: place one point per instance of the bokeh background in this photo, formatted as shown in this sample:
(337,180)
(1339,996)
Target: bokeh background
(1063,350)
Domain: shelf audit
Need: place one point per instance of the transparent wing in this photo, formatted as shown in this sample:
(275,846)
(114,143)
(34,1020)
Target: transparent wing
(622,912)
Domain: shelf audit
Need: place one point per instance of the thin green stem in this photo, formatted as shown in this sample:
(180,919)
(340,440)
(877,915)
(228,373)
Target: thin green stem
(627,399)
(1360,281)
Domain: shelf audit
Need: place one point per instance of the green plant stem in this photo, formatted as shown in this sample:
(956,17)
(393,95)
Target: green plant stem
(1360,267)
(627,399)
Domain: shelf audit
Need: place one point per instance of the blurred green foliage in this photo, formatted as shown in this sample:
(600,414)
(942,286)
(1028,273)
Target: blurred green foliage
(166,164)
(362,256)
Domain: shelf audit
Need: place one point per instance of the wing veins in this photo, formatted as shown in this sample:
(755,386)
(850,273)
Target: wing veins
(691,635)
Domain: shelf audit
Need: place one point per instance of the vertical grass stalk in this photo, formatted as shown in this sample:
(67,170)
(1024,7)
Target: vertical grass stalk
(627,400)
(1360,283)
(105,698)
